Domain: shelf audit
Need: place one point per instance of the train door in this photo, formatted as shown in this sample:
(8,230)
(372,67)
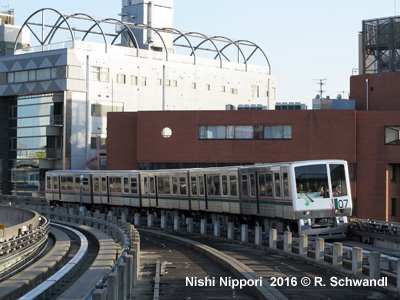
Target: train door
(104,190)
(96,189)
(244,193)
(225,193)
(277,193)
(153,192)
(144,188)
(175,192)
(266,194)
(183,192)
(203,204)
(285,194)
(126,190)
(194,192)
(135,198)
(234,205)
(254,203)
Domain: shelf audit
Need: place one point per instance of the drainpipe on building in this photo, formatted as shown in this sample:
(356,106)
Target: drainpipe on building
(366,80)
(163,89)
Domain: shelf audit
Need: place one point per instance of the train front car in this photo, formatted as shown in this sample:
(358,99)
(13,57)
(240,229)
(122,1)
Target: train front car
(322,197)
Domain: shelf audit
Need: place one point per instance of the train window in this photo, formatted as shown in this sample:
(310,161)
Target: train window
(152,185)
(182,185)
(55,183)
(311,182)
(67,183)
(224,185)
(338,178)
(160,185)
(210,185)
(193,185)
(268,185)
(126,185)
(103,184)
(174,185)
(77,182)
(96,184)
(85,187)
(201,185)
(48,180)
(233,185)
(285,185)
(245,191)
(262,188)
(277,185)
(252,185)
(145,187)
(217,186)
(115,184)
(134,187)
(167,185)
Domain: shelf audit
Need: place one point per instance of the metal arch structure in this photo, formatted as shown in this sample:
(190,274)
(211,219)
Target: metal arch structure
(43,40)
(173,30)
(64,20)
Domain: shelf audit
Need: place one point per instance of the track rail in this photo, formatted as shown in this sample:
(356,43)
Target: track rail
(18,252)
(65,272)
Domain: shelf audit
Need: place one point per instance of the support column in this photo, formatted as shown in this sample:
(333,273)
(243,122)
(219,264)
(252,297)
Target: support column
(245,233)
(319,250)
(303,244)
(129,275)
(137,219)
(273,237)
(122,282)
(203,226)
(189,225)
(337,255)
(150,220)
(287,241)
(112,286)
(231,231)
(356,260)
(163,222)
(374,265)
(176,222)
(217,228)
(258,235)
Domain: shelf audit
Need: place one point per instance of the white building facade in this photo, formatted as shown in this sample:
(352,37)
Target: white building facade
(55,101)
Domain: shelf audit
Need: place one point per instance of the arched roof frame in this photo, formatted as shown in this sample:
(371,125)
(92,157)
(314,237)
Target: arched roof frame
(182,35)
(51,33)
(256,48)
(206,38)
(88,31)
(157,32)
(130,32)
(231,42)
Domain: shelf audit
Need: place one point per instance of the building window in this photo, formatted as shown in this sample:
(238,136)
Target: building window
(168,82)
(223,89)
(208,87)
(277,132)
(97,73)
(194,86)
(121,78)
(174,83)
(101,110)
(234,91)
(144,81)
(392,135)
(257,132)
(255,91)
(159,81)
(134,80)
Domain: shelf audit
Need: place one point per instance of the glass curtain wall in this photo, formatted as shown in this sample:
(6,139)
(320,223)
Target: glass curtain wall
(29,118)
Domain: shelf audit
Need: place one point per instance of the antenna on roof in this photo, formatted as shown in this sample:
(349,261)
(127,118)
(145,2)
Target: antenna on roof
(321,82)
(343,92)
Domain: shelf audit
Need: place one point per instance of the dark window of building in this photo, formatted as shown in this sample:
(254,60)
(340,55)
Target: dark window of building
(258,132)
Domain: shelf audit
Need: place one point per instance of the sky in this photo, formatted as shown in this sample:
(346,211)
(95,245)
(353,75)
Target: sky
(304,40)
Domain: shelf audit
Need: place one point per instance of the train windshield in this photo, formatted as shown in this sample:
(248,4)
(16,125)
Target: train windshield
(312,182)
(338,178)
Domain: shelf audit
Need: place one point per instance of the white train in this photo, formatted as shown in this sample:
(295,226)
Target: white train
(308,197)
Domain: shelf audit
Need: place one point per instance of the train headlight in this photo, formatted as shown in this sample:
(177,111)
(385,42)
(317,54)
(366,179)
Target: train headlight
(307,213)
(336,211)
